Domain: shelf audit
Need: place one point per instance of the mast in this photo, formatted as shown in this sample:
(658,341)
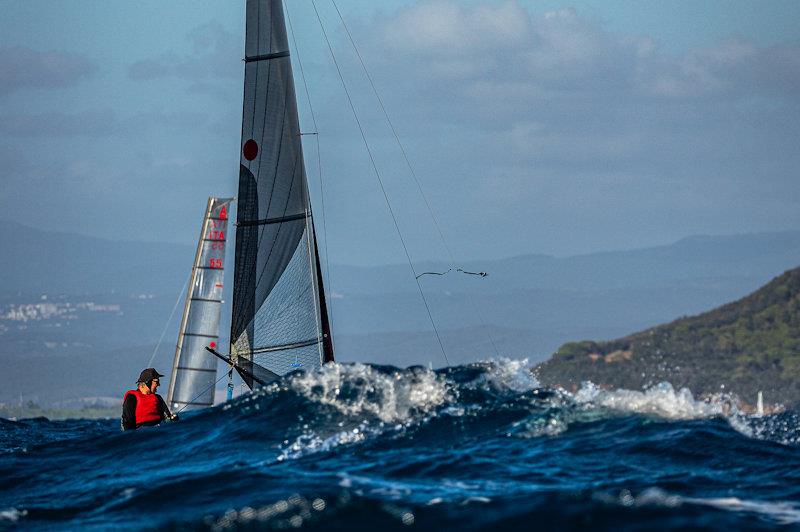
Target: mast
(193,371)
(327,336)
(279,318)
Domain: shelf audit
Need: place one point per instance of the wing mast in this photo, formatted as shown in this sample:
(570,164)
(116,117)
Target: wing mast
(193,372)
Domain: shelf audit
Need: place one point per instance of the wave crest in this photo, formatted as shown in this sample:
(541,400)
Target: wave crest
(388,394)
(661,400)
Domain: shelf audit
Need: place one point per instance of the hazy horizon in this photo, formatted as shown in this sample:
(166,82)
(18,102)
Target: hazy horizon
(192,245)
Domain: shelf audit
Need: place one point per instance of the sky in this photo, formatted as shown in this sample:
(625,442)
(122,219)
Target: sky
(533,127)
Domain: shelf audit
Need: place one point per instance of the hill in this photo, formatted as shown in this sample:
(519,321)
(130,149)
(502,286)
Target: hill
(52,262)
(48,262)
(76,309)
(749,345)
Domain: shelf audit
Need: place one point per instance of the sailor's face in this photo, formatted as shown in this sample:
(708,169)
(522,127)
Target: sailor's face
(145,389)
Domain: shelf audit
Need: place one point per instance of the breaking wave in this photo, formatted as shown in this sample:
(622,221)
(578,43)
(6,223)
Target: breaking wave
(472,446)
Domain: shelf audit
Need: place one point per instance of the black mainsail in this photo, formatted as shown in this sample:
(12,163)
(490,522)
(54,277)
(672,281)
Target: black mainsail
(279,318)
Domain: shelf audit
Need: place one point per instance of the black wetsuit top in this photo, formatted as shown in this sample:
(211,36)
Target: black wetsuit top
(129,413)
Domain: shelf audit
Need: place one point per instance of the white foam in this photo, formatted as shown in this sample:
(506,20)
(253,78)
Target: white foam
(398,397)
(538,426)
(12,515)
(310,442)
(664,401)
(783,429)
(514,375)
(661,400)
(781,512)
(357,389)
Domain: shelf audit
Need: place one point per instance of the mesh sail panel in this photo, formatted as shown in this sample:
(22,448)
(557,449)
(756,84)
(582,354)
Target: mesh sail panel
(275,317)
(194,371)
(285,334)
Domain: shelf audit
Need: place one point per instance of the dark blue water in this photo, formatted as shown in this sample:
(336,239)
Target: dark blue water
(377,448)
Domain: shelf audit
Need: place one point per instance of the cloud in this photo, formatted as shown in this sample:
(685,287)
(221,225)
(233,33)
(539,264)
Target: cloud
(502,51)
(98,123)
(504,44)
(92,123)
(555,117)
(215,53)
(25,68)
(559,88)
(734,68)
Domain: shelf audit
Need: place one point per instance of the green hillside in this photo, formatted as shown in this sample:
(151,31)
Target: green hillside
(749,345)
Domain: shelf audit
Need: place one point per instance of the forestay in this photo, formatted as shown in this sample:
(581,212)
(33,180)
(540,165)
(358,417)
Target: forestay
(279,317)
(193,371)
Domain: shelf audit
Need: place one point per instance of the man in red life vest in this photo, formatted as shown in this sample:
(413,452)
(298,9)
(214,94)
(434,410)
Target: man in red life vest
(143,407)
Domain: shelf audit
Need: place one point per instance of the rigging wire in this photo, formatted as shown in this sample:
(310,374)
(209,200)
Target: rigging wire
(166,325)
(319,164)
(309,229)
(415,178)
(380,181)
(224,375)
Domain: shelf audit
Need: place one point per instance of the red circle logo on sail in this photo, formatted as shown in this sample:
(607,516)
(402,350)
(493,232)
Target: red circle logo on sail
(250,150)
(212,345)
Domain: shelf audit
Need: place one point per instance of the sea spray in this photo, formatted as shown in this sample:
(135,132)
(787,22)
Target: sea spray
(661,400)
(355,389)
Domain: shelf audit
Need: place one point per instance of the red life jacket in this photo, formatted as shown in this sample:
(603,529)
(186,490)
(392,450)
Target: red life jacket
(147,409)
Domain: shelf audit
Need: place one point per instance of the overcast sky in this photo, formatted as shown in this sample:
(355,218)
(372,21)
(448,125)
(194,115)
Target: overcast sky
(534,127)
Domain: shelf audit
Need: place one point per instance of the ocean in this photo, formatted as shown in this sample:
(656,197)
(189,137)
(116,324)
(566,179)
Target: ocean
(363,447)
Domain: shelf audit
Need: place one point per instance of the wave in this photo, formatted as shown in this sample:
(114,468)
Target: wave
(353,404)
(406,446)
(653,508)
(664,401)
(11,515)
(342,404)
(780,512)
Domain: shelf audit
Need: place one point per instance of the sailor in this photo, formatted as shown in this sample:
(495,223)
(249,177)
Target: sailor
(143,407)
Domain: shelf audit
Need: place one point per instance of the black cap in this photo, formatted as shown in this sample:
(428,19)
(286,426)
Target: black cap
(148,374)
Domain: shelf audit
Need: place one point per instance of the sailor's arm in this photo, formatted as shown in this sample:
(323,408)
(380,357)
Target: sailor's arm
(129,412)
(165,413)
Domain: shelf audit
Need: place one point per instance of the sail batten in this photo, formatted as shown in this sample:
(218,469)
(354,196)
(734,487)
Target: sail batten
(267,57)
(276,321)
(268,221)
(192,379)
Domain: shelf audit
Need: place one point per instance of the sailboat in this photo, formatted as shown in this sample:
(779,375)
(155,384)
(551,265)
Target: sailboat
(193,371)
(279,316)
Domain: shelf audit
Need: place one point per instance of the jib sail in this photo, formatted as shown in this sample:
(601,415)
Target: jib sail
(279,317)
(193,371)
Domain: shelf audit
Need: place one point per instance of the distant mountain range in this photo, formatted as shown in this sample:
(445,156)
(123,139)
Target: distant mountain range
(49,262)
(526,307)
(747,346)
(754,256)
(68,263)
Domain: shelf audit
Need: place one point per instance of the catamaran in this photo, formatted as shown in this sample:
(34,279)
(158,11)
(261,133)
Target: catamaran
(279,316)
